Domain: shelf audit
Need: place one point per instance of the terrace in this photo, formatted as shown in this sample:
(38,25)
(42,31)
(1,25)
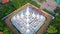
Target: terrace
(28,21)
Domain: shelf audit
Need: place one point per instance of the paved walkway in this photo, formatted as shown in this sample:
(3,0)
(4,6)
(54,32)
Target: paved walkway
(48,4)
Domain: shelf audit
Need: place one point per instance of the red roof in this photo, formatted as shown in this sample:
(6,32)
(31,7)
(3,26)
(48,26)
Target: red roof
(1,33)
(4,1)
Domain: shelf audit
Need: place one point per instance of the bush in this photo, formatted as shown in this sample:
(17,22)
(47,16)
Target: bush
(57,10)
(7,31)
(52,29)
(49,12)
(41,1)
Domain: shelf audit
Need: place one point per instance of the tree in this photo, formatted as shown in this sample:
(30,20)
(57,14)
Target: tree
(5,30)
(52,29)
(41,1)
(57,10)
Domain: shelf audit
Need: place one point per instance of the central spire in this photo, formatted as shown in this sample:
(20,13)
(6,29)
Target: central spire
(27,12)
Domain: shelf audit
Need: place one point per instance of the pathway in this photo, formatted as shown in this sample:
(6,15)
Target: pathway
(48,4)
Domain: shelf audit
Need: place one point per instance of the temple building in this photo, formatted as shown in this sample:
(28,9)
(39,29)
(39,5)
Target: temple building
(28,19)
